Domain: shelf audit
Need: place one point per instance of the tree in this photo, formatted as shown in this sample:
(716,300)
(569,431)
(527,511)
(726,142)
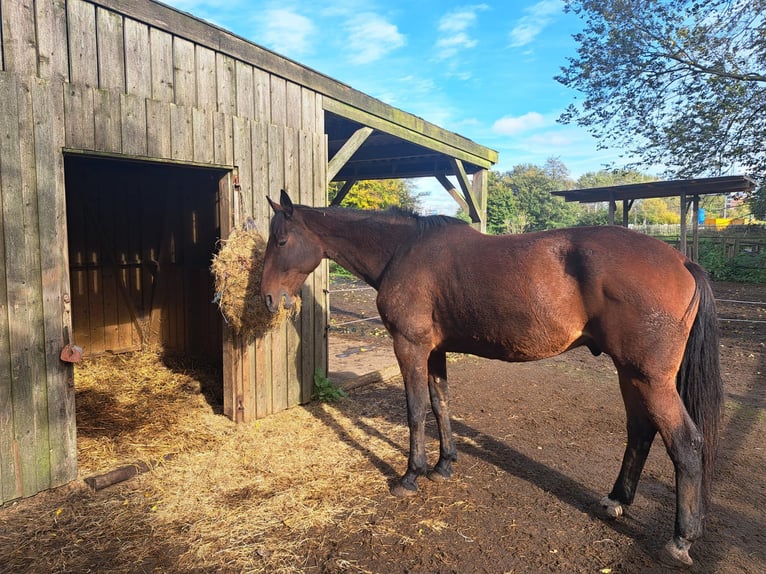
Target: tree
(502,207)
(379,194)
(679,83)
(533,186)
(520,200)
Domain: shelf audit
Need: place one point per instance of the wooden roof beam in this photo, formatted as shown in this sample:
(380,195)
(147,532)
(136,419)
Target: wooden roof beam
(347,151)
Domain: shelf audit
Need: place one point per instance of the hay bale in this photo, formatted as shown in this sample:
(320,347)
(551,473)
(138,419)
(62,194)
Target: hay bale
(237,268)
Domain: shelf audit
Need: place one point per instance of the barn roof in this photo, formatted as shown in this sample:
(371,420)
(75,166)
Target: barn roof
(399,145)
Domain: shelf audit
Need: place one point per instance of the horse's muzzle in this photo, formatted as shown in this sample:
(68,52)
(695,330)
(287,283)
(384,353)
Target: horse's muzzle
(282,299)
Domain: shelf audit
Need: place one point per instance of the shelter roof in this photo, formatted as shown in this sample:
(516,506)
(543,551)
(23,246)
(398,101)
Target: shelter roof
(673,188)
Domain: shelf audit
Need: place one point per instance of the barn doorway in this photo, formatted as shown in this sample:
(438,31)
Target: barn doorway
(141,238)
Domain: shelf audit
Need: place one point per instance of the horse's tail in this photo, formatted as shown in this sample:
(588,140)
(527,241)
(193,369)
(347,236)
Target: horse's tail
(699,380)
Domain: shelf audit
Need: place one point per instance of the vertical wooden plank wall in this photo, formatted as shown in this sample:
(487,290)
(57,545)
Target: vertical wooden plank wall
(96,80)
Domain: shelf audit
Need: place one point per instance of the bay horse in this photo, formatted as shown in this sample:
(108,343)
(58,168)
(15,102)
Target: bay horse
(445,287)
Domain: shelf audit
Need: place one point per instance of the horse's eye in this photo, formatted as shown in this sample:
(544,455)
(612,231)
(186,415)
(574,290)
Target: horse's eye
(281,241)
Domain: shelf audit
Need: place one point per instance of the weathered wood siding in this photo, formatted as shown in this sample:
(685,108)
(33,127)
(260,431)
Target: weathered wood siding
(85,77)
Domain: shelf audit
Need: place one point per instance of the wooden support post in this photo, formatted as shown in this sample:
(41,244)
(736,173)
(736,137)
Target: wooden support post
(466,188)
(347,151)
(695,227)
(343,192)
(447,184)
(684,213)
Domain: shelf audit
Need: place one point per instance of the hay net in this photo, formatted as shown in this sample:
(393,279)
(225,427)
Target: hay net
(237,268)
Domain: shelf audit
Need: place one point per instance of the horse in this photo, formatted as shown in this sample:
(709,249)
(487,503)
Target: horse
(443,286)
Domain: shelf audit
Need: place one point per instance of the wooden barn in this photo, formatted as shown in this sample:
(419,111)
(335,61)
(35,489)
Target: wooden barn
(132,138)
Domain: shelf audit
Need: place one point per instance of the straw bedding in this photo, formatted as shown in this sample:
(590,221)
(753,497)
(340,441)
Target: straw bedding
(234,498)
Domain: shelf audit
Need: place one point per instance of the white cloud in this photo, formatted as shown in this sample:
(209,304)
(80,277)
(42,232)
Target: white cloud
(454,27)
(532,24)
(552,139)
(509,126)
(285,32)
(371,37)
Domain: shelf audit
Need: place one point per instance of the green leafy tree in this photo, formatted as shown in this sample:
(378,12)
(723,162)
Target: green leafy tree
(379,194)
(533,185)
(502,206)
(680,83)
(520,199)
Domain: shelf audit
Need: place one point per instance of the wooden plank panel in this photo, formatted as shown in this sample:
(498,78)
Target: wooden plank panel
(133,113)
(9,465)
(52,58)
(308,111)
(223,141)
(279,356)
(158,129)
(261,209)
(262,95)
(294,105)
(262,375)
(184,73)
(243,387)
(244,74)
(202,133)
(226,84)
(19,37)
(78,117)
(309,293)
(111,50)
(83,53)
(138,74)
(322,273)
(181,133)
(24,292)
(206,79)
(161,49)
(107,121)
(292,184)
(278,101)
(48,103)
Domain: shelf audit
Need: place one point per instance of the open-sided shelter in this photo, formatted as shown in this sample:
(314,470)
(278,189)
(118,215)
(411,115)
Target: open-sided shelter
(133,137)
(687,190)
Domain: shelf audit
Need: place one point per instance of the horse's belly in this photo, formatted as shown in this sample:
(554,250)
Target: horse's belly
(519,349)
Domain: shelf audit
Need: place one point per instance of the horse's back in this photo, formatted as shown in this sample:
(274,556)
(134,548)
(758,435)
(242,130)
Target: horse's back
(529,296)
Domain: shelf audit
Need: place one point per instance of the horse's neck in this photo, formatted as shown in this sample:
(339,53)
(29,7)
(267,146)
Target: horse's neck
(361,244)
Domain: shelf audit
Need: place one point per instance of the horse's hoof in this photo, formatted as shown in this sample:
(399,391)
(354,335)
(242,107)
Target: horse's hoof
(437,476)
(676,553)
(611,508)
(401,491)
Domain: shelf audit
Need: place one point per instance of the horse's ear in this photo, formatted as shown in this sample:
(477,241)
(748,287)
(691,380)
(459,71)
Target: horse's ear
(274,205)
(287,203)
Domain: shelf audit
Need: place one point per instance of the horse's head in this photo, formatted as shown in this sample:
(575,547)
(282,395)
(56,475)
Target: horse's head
(292,252)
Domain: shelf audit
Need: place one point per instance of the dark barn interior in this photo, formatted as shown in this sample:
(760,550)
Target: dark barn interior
(141,238)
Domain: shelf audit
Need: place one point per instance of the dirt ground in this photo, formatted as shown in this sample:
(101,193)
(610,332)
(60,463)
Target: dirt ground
(539,444)
(306,490)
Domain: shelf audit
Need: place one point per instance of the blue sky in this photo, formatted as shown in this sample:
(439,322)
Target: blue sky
(483,70)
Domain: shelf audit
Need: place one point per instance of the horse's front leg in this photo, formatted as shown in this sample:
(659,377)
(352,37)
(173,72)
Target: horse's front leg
(439,391)
(413,362)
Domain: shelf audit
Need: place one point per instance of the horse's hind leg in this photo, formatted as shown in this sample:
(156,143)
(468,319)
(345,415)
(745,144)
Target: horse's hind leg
(683,443)
(439,391)
(641,433)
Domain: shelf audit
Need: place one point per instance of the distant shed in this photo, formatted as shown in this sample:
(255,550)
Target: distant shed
(133,137)
(687,190)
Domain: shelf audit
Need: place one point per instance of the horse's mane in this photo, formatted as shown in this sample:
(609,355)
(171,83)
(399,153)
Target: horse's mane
(424,223)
